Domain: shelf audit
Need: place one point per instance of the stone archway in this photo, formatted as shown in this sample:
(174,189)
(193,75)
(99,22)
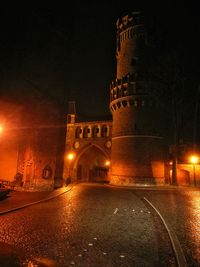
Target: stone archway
(91,165)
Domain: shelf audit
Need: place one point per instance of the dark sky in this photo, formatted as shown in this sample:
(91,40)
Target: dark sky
(68,52)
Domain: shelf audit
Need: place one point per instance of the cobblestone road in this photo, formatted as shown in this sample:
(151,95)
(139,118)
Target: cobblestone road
(88,226)
(180,208)
(96,225)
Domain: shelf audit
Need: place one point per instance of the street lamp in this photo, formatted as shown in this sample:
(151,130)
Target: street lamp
(1,129)
(70,157)
(107,163)
(194,160)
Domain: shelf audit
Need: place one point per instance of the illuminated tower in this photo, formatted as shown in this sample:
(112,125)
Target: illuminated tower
(138,150)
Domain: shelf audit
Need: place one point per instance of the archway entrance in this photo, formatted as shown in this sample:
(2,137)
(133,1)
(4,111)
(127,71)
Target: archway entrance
(92,166)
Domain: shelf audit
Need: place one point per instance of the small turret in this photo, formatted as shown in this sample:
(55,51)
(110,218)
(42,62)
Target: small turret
(71,116)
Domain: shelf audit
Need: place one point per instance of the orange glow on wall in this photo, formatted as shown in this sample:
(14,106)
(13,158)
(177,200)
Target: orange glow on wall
(194,159)
(1,129)
(70,156)
(107,163)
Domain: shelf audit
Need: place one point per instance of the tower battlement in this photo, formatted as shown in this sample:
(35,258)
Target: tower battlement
(129,78)
(132,19)
(130,38)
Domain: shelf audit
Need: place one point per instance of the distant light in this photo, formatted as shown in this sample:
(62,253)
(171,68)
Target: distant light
(70,156)
(1,129)
(107,163)
(194,159)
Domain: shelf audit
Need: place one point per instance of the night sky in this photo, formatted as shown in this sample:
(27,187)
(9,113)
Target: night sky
(68,52)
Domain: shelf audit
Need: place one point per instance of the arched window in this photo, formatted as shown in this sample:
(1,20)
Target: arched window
(105,131)
(85,132)
(95,131)
(131,102)
(118,104)
(89,132)
(115,93)
(125,91)
(47,172)
(111,95)
(79,132)
(114,106)
(124,103)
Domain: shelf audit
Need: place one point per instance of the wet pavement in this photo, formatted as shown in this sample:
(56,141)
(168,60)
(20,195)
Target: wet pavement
(17,199)
(181,209)
(88,226)
(97,225)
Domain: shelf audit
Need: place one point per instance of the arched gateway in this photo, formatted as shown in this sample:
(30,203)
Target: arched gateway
(92,164)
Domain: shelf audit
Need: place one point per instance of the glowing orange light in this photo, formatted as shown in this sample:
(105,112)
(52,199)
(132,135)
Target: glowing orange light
(1,129)
(194,159)
(70,156)
(107,163)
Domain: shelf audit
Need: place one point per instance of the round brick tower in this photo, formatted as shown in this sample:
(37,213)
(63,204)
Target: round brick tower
(138,148)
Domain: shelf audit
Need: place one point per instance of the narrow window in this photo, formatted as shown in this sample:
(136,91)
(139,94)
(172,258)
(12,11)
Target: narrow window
(118,104)
(131,102)
(124,103)
(133,62)
(85,132)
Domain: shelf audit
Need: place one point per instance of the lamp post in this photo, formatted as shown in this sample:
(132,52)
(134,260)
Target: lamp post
(70,157)
(194,160)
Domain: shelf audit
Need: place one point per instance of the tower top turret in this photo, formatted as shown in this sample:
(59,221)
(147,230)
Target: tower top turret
(131,41)
(72,107)
(71,116)
(131,19)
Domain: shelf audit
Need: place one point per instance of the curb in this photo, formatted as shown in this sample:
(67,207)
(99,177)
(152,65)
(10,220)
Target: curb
(152,187)
(36,202)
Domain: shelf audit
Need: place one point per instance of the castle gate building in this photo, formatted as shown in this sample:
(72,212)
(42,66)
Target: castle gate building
(138,146)
(88,149)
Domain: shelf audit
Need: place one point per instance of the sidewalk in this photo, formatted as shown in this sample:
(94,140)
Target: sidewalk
(20,199)
(15,200)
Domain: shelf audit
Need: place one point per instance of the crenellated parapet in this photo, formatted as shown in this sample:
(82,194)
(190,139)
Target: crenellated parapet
(130,20)
(127,79)
(131,101)
(130,27)
(130,85)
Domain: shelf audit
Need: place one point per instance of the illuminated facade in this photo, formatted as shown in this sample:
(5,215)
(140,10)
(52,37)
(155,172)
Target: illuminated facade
(138,151)
(32,144)
(129,149)
(138,146)
(90,144)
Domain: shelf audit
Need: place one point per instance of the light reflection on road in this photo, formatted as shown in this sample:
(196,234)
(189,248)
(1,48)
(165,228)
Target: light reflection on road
(180,208)
(194,223)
